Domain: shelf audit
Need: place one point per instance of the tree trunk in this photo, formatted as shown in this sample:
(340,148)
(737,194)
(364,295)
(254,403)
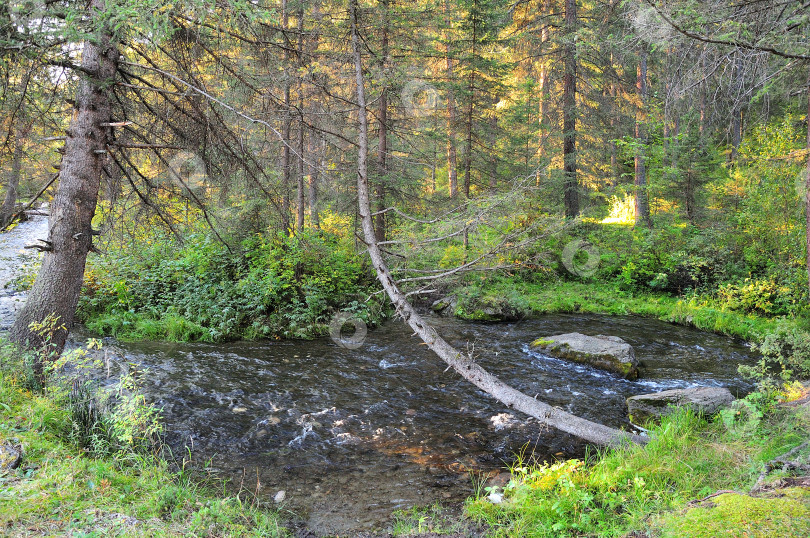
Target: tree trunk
(382,133)
(452,158)
(615,173)
(10,202)
(736,119)
(314,175)
(642,206)
(470,108)
(542,109)
(59,281)
(285,128)
(462,364)
(301,203)
(571,187)
(807,182)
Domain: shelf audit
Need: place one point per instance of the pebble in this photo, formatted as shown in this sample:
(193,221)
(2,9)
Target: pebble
(280,496)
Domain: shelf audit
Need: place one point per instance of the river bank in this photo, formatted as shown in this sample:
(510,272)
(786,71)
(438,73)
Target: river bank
(57,489)
(496,299)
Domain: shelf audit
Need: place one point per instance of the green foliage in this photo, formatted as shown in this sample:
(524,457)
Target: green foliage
(625,489)
(765,297)
(785,357)
(497,301)
(276,286)
(787,517)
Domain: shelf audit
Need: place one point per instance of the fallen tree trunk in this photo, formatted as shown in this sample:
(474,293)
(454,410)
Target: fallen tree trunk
(462,364)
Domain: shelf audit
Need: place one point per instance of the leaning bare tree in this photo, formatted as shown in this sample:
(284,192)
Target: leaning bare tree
(461,363)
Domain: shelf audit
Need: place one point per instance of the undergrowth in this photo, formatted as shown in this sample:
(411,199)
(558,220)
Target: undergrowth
(152,286)
(637,488)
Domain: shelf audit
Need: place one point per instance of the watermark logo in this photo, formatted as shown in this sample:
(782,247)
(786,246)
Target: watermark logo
(742,417)
(581,258)
(27,15)
(348,340)
(187,171)
(650,26)
(420,98)
(801,185)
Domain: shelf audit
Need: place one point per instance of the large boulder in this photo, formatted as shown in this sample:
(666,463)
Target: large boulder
(609,353)
(651,407)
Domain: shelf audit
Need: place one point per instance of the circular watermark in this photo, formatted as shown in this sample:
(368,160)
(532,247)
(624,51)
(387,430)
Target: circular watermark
(27,15)
(741,417)
(572,258)
(187,170)
(801,185)
(420,98)
(348,341)
(650,26)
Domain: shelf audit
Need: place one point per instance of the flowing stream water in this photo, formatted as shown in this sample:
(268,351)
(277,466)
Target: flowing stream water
(352,435)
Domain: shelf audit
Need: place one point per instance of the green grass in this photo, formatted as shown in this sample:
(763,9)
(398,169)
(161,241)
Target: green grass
(595,298)
(139,326)
(436,519)
(636,488)
(60,490)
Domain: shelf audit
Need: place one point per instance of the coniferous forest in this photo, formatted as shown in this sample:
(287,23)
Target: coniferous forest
(217,174)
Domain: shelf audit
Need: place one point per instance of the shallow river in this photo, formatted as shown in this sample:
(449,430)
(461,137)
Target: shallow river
(351,435)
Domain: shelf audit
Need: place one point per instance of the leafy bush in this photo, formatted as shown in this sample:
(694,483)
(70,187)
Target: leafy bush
(788,350)
(275,286)
(766,296)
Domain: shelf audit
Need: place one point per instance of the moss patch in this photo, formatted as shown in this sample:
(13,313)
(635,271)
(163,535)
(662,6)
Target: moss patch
(732,514)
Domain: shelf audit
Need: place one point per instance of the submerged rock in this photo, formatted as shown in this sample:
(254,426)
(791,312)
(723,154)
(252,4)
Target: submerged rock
(704,400)
(609,353)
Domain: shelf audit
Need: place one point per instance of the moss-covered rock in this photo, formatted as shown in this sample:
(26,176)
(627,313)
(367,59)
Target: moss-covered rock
(609,353)
(10,457)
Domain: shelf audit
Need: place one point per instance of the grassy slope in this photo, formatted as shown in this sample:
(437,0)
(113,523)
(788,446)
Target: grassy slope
(57,490)
(649,489)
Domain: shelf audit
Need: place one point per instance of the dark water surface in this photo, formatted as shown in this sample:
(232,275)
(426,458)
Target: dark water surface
(351,435)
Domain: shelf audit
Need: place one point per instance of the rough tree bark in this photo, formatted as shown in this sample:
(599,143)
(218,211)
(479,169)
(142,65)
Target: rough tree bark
(470,110)
(70,236)
(315,152)
(543,120)
(382,133)
(285,127)
(571,187)
(807,182)
(299,186)
(642,206)
(452,159)
(462,364)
